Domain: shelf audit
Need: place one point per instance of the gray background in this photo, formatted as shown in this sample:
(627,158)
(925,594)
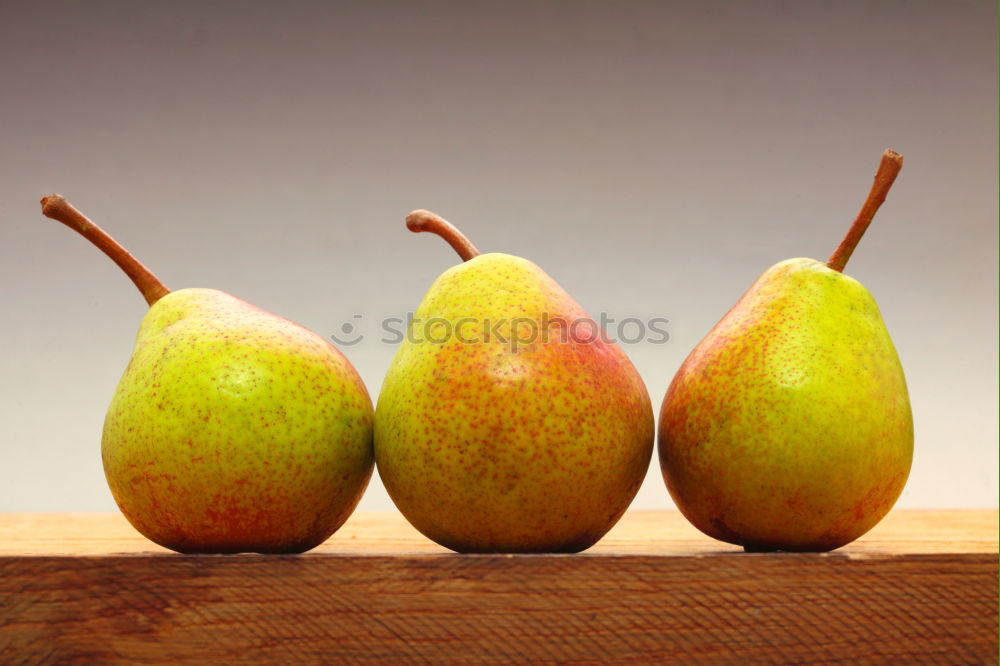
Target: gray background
(653,157)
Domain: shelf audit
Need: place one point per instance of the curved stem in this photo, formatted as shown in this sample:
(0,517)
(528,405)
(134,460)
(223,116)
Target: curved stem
(424,220)
(888,169)
(56,207)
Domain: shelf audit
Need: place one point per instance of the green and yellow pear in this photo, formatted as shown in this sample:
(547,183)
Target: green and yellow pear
(232,429)
(507,422)
(789,426)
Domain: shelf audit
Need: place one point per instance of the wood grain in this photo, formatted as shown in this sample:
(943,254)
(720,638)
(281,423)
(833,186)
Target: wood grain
(85,588)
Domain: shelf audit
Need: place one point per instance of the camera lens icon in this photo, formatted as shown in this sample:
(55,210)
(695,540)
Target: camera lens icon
(350,333)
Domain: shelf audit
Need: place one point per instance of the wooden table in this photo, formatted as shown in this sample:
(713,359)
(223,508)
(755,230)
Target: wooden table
(922,586)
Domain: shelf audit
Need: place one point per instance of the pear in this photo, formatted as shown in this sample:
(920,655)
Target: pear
(232,429)
(507,422)
(789,426)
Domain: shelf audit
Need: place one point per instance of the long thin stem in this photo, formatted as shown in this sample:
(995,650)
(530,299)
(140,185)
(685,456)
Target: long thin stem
(56,207)
(424,220)
(888,169)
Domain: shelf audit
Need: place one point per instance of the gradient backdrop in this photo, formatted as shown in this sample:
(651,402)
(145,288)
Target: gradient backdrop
(653,157)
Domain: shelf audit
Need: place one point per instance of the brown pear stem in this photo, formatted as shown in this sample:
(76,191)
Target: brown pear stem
(56,207)
(424,220)
(888,169)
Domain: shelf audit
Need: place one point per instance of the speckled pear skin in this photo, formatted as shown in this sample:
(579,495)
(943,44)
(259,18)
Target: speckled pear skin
(234,430)
(488,448)
(789,426)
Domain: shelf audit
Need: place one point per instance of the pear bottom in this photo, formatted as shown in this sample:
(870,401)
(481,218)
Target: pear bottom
(193,523)
(564,504)
(236,516)
(530,533)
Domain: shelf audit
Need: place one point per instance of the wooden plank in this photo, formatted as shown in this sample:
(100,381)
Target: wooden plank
(922,587)
(637,533)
